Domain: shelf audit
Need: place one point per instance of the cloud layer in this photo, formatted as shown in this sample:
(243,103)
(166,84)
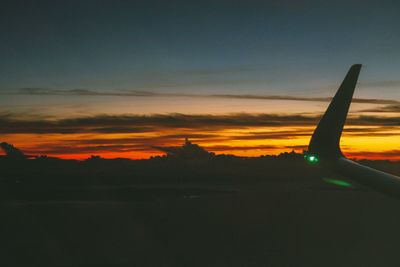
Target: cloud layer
(228,133)
(133,93)
(131,123)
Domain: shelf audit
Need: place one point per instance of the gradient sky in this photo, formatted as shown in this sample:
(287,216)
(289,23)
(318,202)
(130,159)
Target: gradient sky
(114,78)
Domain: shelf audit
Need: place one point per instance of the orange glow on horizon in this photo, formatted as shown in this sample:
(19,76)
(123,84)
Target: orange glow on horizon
(247,142)
(257,153)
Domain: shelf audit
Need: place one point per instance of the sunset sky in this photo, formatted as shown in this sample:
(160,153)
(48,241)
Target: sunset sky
(250,78)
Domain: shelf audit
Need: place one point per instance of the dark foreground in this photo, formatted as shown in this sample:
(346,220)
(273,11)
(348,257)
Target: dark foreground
(276,224)
(297,221)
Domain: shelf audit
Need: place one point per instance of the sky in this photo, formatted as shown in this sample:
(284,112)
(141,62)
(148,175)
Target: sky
(250,78)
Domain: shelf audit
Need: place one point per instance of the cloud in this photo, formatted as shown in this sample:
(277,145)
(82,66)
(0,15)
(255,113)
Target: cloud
(372,131)
(213,132)
(369,134)
(131,123)
(133,93)
(79,92)
(67,149)
(146,140)
(241,148)
(298,147)
(159,141)
(272,135)
(53,149)
(11,150)
(387,108)
(147,123)
(394,83)
(373,121)
(313,99)
(369,154)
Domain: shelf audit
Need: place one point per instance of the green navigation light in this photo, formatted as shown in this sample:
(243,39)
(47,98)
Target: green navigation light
(337,182)
(312,159)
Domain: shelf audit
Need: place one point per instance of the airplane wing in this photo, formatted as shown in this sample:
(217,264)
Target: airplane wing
(324,147)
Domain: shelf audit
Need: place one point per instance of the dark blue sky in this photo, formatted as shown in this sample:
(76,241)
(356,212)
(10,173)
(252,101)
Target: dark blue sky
(269,47)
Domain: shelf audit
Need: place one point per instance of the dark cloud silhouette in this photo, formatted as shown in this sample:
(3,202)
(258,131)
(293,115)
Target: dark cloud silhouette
(148,123)
(192,136)
(272,135)
(111,130)
(369,154)
(393,83)
(187,151)
(133,93)
(387,108)
(144,141)
(243,148)
(11,151)
(372,134)
(366,130)
(373,121)
(68,149)
(160,139)
(299,147)
(157,122)
(80,92)
(314,99)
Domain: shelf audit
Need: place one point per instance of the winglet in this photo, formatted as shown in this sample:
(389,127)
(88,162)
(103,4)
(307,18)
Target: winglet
(325,140)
